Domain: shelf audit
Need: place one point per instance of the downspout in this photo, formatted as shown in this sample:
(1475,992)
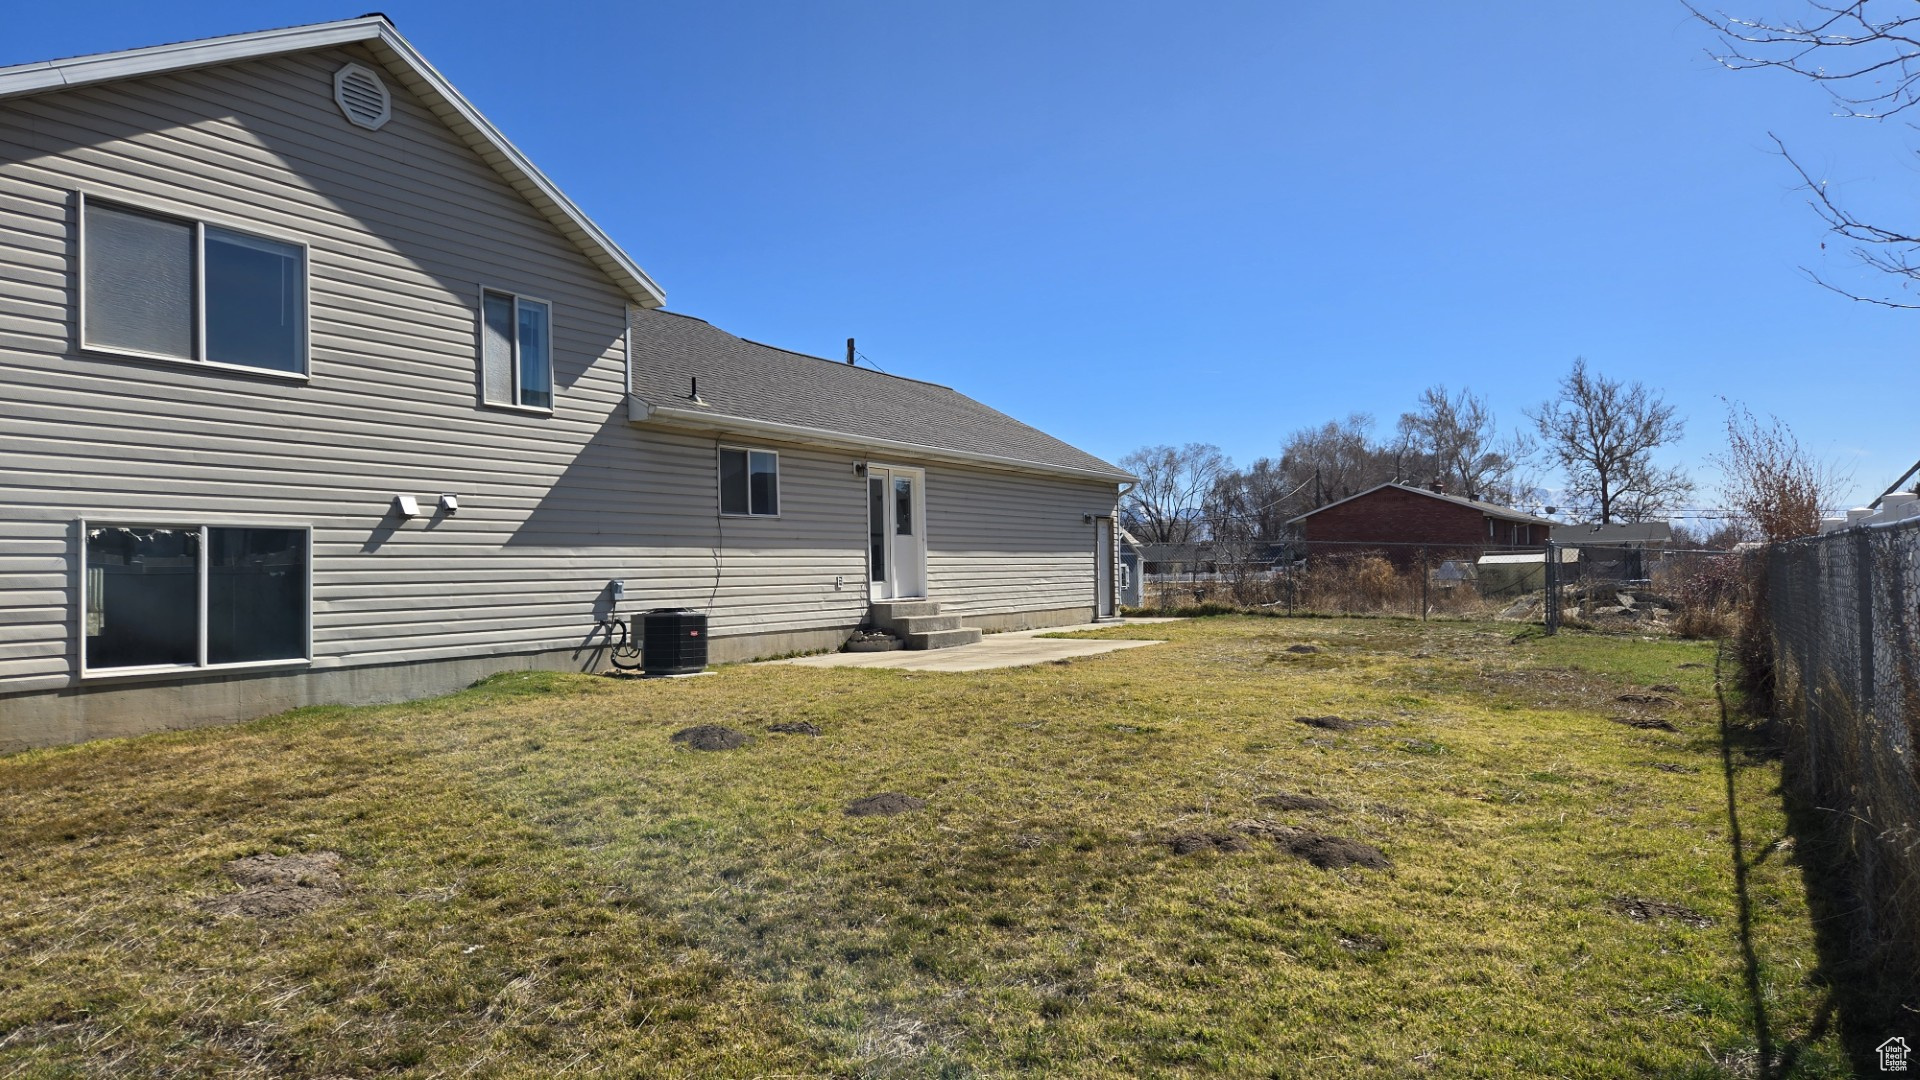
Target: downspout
(626,365)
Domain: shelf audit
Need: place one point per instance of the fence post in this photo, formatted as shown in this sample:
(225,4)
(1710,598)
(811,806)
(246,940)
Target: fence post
(1426,579)
(1550,603)
(1863,604)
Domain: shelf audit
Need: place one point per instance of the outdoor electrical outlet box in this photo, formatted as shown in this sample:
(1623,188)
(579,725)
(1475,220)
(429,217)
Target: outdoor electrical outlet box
(616,589)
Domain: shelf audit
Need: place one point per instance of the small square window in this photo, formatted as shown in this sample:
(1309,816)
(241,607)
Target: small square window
(749,482)
(516,353)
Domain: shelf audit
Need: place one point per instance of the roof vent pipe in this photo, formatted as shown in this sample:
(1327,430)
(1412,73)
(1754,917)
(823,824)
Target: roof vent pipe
(849,350)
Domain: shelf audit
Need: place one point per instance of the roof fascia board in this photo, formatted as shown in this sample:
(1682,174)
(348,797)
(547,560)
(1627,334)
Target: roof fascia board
(690,419)
(159,59)
(181,56)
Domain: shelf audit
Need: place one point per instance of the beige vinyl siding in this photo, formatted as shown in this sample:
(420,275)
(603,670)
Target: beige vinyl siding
(1001,543)
(405,226)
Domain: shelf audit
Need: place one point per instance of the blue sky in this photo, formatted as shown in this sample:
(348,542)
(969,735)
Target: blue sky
(1129,223)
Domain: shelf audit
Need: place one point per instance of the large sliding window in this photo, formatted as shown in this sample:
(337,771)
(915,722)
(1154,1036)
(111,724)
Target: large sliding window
(176,289)
(516,351)
(172,596)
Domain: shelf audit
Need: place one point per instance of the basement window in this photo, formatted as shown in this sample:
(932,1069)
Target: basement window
(749,482)
(171,288)
(184,597)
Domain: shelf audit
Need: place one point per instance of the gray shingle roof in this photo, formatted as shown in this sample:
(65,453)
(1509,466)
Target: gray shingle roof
(1620,532)
(746,380)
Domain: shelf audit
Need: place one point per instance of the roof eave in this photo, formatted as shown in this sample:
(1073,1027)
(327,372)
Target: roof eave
(421,78)
(644,412)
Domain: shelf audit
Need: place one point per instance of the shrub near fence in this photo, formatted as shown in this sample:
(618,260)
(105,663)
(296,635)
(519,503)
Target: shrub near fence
(1844,609)
(1343,578)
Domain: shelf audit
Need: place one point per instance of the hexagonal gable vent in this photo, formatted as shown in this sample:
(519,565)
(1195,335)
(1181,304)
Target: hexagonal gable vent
(362,97)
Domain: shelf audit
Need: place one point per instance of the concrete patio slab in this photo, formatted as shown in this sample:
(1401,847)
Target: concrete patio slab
(1015,648)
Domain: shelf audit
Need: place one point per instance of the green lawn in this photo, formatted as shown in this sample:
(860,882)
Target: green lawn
(540,882)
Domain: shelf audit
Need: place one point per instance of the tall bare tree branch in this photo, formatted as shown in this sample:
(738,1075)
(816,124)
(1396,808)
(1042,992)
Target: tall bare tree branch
(1866,56)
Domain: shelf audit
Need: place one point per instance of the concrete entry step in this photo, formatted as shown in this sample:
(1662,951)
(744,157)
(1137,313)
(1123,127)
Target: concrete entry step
(886,612)
(909,625)
(944,639)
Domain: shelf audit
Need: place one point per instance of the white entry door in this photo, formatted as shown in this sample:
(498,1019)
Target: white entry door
(1103,566)
(896,532)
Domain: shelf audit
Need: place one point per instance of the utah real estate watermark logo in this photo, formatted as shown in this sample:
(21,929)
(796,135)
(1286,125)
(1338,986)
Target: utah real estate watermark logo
(1893,1054)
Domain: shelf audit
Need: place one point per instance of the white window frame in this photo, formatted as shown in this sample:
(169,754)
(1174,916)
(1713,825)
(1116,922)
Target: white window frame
(199,299)
(719,481)
(200,613)
(480,351)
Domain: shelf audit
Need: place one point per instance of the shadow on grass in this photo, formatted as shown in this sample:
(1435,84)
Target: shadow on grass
(1869,999)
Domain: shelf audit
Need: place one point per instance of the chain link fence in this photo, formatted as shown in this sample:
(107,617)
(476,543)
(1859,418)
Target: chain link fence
(1611,587)
(1845,613)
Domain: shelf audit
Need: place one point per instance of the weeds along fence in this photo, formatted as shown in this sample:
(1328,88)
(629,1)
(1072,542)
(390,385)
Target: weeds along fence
(1600,586)
(1846,668)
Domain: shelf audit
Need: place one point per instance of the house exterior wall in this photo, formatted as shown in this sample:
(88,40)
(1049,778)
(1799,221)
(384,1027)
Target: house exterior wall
(1392,516)
(404,227)
(1006,551)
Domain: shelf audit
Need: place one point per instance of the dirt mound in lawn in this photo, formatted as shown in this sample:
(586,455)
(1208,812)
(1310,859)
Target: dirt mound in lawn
(884,804)
(1641,909)
(277,886)
(1337,723)
(1646,699)
(1334,852)
(1645,723)
(1189,843)
(1321,849)
(710,737)
(1288,800)
(795,727)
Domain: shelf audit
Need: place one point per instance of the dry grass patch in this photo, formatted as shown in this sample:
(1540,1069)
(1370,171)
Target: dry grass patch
(538,877)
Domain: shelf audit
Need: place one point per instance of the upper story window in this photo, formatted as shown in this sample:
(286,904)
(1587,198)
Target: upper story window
(749,482)
(176,289)
(516,352)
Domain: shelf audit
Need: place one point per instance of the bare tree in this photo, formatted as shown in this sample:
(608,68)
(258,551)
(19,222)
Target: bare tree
(1458,433)
(1339,459)
(1253,503)
(1603,434)
(1165,506)
(1776,487)
(1866,56)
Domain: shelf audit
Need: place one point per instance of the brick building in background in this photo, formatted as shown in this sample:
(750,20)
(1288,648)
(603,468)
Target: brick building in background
(1402,520)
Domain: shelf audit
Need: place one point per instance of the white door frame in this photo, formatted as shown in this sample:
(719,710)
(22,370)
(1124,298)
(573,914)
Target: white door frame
(900,550)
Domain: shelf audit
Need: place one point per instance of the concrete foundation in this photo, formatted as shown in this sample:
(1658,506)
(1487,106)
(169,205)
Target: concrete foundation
(1030,620)
(116,708)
